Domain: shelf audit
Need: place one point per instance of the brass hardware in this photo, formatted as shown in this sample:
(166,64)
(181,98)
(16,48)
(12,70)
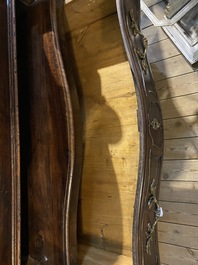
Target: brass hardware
(158,214)
(142,58)
(151,229)
(133,25)
(136,31)
(152,198)
(155,124)
(149,236)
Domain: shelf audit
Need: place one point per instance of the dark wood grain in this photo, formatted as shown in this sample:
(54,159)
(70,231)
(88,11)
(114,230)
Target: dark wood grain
(52,163)
(5,174)
(9,139)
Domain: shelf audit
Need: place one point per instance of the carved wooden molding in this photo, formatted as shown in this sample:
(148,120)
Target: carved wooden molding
(9,139)
(147,210)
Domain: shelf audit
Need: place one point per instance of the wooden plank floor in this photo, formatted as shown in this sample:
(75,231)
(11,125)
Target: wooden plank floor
(177,87)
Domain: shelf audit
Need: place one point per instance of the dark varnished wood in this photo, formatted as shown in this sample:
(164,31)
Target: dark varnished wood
(147,210)
(53,163)
(9,140)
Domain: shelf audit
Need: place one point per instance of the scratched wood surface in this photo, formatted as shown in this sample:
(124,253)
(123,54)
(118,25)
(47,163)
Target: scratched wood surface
(177,87)
(82,13)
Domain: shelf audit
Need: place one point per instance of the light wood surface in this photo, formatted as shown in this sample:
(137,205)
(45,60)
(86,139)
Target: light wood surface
(166,48)
(93,256)
(174,233)
(82,13)
(181,106)
(181,127)
(180,170)
(177,87)
(185,148)
(170,67)
(180,213)
(178,191)
(171,255)
(111,136)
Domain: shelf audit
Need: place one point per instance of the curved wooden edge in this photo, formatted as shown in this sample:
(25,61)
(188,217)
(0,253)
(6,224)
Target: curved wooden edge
(147,210)
(74,130)
(52,90)
(14,133)
(55,9)
(52,61)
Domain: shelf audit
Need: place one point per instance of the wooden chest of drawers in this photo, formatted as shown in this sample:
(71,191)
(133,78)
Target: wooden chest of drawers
(76,110)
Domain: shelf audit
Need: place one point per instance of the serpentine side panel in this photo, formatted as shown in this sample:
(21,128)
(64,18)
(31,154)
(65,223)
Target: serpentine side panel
(55,151)
(9,139)
(147,210)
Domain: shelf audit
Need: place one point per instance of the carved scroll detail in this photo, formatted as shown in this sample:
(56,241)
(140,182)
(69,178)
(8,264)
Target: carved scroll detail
(158,213)
(145,245)
(133,27)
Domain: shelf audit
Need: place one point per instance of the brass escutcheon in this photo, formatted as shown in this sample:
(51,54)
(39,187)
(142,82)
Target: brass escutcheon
(155,124)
